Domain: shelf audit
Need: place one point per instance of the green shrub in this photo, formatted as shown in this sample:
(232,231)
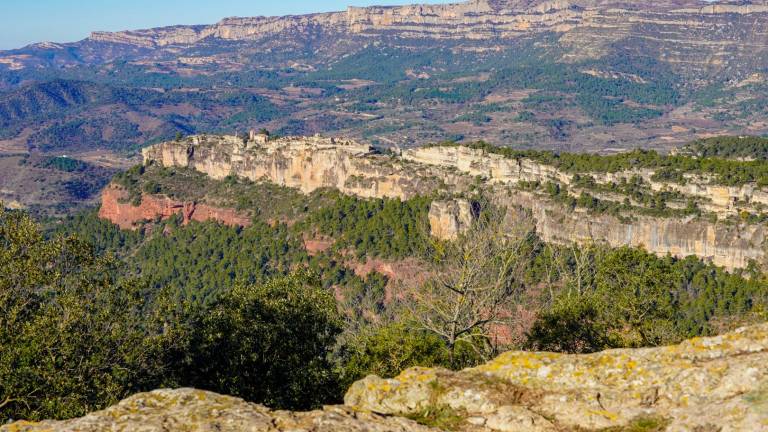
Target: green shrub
(388,350)
(268,343)
(73,336)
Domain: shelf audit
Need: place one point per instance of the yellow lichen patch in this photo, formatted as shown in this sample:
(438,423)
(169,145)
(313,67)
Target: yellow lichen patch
(379,386)
(612,416)
(606,360)
(24,425)
(524,360)
(417,374)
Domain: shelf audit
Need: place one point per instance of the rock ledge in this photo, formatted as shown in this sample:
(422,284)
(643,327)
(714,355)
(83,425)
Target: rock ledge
(192,410)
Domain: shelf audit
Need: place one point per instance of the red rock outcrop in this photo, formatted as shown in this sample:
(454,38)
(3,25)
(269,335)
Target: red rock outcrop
(116,208)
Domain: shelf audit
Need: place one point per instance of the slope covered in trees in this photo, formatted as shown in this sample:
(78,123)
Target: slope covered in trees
(68,309)
(729,147)
(304,324)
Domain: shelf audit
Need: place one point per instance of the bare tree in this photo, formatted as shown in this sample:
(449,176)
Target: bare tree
(474,282)
(553,269)
(578,270)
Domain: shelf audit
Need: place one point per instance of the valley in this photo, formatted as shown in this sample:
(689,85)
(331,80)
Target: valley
(55,186)
(480,216)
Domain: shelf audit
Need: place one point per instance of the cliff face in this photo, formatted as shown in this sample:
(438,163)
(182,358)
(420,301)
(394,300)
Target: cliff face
(229,29)
(726,245)
(312,163)
(116,208)
(448,219)
(303,163)
(705,384)
(693,36)
(474,19)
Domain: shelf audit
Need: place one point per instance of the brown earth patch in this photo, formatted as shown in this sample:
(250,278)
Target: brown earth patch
(315,246)
(146,123)
(17,144)
(185,109)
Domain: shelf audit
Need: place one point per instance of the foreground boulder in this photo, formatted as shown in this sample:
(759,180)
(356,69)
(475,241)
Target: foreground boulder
(704,384)
(192,410)
(717,384)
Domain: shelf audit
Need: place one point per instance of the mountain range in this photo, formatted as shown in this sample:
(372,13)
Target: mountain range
(575,75)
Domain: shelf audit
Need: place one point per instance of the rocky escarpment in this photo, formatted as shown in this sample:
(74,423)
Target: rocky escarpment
(699,40)
(704,384)
(723,201)
(728,245)
(229,29)
(305,163)
(312,163)
(448,219)
(692,36)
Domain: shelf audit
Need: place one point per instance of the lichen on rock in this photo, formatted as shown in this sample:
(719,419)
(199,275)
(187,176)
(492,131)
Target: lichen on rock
(716,383)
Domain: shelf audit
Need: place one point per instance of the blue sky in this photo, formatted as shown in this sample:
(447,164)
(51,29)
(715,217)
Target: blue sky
(25,21)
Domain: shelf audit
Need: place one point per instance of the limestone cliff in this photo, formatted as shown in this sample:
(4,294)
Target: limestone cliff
(303,163)
(448,219)
(474,19)
(692,36)
(704,384)
(725,243)
(312,163)
(234,29)
(728,245)
(722,200)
